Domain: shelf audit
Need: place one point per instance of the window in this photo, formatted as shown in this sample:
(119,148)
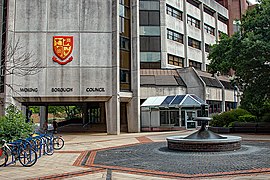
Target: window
(207,48)
(175,36)
(124,27)
(150,56)
(208,29)
(124,43)
(194,43)
(149,5)
(195,64)
(208,11)
(174,12)
(149,43)
(175,60)
(194,3)
(222,19)
(150,30)
(124,11)
(124,75)
(214,106)
(149,18)
(124,2)
(193,22)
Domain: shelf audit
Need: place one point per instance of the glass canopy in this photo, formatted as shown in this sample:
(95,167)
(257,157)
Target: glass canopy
(178,101)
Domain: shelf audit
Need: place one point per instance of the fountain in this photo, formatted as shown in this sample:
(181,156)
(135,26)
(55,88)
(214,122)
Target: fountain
(204,140)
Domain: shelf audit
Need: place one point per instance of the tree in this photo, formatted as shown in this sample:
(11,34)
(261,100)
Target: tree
(247,52)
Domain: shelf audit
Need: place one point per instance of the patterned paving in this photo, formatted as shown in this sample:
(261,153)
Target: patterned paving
(155,159)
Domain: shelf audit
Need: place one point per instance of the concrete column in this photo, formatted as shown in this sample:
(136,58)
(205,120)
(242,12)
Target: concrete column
(113,115)
(133,107)
(216,24)
(85,114)
(203,41)
(43,117)
(133,115)
(113,105)
(185,33)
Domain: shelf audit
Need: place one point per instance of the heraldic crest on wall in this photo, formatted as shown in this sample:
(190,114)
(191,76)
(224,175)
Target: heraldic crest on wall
(62,47)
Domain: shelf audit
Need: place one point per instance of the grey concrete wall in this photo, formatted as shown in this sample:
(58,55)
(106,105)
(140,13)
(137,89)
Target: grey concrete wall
(35,23)
(193,82)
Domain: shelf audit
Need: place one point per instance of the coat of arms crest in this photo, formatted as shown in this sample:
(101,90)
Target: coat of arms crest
(62,47)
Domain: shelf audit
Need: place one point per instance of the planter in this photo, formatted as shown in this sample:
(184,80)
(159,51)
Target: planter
(220,129)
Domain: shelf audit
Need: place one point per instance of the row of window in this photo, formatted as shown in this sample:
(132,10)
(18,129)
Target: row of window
(190,20)
(179,61)
(175,36)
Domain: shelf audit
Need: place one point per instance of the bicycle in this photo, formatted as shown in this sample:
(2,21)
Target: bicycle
(18,150)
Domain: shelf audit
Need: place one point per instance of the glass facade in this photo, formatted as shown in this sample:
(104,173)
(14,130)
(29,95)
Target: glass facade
(3,44)
(150,42)
(125,56)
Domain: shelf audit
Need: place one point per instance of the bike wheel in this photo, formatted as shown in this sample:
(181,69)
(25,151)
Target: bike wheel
(58,143)
(48,146)
(28,157)
(3,157)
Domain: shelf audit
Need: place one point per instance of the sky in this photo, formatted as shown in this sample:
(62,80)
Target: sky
(253,1)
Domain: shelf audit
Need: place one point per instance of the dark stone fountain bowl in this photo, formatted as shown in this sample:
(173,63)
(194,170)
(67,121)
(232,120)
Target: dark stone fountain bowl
(204,140)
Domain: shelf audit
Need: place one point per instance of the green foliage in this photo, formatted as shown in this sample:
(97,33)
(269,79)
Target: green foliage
(34,109)
(226,118)
(13,125)
(247,118)
(266,117)
(248,52)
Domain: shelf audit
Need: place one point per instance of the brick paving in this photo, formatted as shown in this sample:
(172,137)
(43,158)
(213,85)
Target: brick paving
(129,157)
(156,157)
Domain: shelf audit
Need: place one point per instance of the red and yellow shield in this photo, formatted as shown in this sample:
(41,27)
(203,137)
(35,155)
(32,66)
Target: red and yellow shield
(62,47)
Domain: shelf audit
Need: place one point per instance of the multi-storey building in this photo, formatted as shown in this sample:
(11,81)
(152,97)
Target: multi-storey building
(88,53)
(91,52)
(176,34)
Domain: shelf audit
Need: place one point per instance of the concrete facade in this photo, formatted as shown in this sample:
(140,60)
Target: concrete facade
(178,18)
(93,75)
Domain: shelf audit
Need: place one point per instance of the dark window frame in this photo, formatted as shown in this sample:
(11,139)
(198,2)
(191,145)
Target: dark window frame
(194,3)
(175,36)
(174,12)
(150,22)
(207,47)
(193,22)
(194,43)
(175,60)
(209,29)
(195,64)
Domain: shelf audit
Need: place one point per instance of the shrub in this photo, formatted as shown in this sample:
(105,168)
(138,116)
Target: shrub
(13,125)
(266,117)
(226,118)
(247,118)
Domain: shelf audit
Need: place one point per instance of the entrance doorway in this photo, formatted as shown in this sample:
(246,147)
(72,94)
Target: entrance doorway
(190,116)
(123,117)
(95,117)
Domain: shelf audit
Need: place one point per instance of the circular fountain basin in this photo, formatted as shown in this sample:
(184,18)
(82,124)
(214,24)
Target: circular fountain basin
(228,143)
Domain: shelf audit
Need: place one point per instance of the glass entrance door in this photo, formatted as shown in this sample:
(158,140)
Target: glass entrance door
(190,123)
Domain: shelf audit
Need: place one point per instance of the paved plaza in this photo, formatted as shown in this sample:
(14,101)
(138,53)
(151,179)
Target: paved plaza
(145,156)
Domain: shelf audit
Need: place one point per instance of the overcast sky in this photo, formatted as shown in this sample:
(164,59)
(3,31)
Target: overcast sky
(253,1)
